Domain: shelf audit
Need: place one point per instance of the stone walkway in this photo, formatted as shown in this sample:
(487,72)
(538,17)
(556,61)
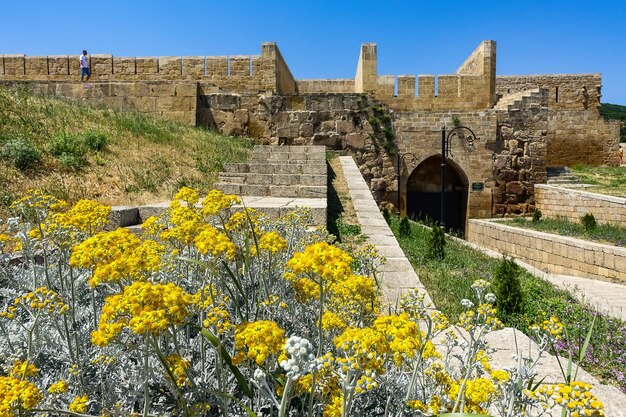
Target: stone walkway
(398,275)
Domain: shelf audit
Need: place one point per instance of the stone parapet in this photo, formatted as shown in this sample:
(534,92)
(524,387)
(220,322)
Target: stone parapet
(573,204)
(552,253)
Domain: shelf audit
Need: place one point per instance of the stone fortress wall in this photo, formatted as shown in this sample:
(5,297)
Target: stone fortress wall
(525,123)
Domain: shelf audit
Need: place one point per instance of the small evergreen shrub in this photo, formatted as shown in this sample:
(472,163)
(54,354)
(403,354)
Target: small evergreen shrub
(373,121)
(389,135)
(507,287)
(536,215)
(436,244)
(386,215)
(22,153)
(588,221)
(405,227)
(96,141)
(72,162)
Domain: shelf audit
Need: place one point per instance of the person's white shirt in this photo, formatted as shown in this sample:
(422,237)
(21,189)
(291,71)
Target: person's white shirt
(83,61)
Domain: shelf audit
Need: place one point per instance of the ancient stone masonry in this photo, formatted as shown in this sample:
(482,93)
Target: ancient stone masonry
(524,123)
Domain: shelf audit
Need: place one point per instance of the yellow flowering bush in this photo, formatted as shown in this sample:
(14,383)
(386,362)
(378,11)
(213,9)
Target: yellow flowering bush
(143,308)
(214,304)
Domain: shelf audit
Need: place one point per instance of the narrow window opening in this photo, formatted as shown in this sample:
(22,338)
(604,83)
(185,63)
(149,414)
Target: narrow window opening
(228,66)
(395,86)
(557,95)
(436,85)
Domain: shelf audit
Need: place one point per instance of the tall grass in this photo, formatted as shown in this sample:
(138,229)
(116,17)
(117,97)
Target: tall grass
(604,180)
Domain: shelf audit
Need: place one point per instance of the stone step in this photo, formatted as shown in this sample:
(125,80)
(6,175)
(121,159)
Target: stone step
(314,169)
(292,159)
(254,178)
(301,191)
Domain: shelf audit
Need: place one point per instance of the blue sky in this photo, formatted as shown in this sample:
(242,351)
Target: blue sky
(321,39)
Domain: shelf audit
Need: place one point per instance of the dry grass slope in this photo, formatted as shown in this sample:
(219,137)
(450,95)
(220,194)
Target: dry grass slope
(144,159)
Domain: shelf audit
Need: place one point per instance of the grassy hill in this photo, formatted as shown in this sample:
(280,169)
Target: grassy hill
(617,112)
(74,151)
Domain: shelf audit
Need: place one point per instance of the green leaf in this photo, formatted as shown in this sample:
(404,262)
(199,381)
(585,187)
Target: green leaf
(215,341)
(583,350)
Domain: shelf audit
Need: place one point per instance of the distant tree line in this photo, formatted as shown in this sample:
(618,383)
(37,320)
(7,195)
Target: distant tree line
(616,112)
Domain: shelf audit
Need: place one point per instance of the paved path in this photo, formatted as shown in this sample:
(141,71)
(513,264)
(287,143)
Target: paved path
(397,274)
(609,298)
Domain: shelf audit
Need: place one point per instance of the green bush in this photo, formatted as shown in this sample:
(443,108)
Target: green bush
(588,221)
(386,215)
(436,244)
(508,289)
(96,141)
(536,215)
(389,135)
(373,121)
(405,227)
(22,153)
(72,162)
(63,143)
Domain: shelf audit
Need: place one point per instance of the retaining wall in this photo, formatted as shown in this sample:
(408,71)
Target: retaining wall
(573,204)
(551,253)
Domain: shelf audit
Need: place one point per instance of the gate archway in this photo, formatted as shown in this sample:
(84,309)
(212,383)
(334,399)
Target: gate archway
(423,197)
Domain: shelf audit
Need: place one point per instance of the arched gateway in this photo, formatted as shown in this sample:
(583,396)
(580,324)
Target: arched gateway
(423,196)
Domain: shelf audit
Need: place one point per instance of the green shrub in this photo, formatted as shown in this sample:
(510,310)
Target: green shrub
(405,227)
(373,121)
(536,215)
(96,141)
(22,153)
(388,146)
(436,244)
(588,221)
(507,287)
(386,215)
(389,135)
(72,162)
(63,143)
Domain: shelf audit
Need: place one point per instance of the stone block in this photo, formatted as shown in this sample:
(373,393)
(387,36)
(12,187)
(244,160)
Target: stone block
(101,66)
(282,191)
(216,67)
(193,67)
(123,216)
(304,191)
(227,188)
(124,66)
(355,140)
(306,130)
(36,66)
(14,65)
(240,66)
(58,65)
(146,67)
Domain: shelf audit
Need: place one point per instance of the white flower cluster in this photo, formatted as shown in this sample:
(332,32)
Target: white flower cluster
(490,297)
(467,303)
(301,360)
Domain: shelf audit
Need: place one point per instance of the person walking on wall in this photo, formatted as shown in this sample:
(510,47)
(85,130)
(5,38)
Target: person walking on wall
(84,66)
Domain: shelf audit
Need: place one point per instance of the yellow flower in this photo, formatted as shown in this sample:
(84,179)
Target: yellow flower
(16,393)
(79,404)
(188,195)
(500,376)
(117,256)
(24,369)
(334,407)
(212,241)
(58,387)
(322,262)
(403,335)
(178,367)
(258,340)
(143,308)
(216,201)
(272,242)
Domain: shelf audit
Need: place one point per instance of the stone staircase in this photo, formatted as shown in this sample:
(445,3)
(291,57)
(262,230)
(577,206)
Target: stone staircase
(278,171)
(563,176)
(519,99)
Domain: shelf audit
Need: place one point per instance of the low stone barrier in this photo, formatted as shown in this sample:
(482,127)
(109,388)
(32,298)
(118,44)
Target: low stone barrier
(573,204)
(552,253)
